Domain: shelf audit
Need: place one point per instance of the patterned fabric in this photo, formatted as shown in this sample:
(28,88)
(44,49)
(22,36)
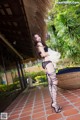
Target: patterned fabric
(52,83)
(45,63)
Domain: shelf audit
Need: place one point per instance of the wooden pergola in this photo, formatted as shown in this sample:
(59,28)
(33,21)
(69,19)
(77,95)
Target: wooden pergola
(19,21)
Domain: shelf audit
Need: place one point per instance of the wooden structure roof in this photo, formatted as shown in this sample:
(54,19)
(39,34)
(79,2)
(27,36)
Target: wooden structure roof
(19,20)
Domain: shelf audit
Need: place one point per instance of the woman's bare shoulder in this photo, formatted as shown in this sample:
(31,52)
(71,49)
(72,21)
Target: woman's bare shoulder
(39,44)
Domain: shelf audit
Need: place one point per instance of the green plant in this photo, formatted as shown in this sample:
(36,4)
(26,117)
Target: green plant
(15,79)
(64,29)
(34,74)
(40,79)
(7,88)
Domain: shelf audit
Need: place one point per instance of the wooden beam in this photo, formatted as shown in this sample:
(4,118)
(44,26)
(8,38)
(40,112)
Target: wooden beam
(10,46)
(11,18)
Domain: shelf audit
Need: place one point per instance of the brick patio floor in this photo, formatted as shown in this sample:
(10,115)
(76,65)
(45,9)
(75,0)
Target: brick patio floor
(35,105)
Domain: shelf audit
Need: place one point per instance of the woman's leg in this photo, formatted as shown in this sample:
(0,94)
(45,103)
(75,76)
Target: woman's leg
(52,83)
(49,85)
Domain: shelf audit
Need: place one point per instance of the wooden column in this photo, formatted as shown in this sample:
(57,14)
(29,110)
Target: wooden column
(24,81)
(19,74)
(3,64)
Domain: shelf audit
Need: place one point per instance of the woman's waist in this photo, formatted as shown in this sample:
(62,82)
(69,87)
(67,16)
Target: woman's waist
(46,59)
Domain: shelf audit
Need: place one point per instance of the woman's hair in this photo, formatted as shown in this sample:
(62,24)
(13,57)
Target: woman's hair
(35,42)
(34,39)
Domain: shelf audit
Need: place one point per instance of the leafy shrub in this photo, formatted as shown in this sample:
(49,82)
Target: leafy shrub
(34,74)
(7,88)
(40,79)
(16,79)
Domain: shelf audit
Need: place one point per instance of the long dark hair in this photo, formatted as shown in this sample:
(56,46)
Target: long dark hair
(43,43)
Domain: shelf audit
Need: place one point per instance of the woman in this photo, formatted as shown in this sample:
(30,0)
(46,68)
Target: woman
(50,71)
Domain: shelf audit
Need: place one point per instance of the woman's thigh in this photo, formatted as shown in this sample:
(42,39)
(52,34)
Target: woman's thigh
(50,68)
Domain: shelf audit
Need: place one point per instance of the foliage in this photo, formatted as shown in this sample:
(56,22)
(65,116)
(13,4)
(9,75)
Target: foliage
(7,88)
(64,29)
(41,78)
(34,74)
(16,79)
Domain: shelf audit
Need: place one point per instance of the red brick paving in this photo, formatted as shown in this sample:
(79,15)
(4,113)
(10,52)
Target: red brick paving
(35,105)
(74,117)
(70,112)
(54,116)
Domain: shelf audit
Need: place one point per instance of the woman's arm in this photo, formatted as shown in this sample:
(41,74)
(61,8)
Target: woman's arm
(40,46)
